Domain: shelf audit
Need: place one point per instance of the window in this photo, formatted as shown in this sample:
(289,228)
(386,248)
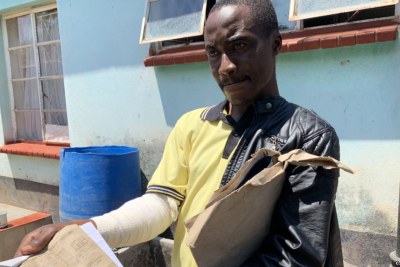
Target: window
(36,75)
(181,22)
(303,9)
(173,19)
(348,23)
(346,17)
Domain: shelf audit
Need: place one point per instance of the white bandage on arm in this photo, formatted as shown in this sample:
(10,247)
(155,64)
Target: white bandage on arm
(138,220)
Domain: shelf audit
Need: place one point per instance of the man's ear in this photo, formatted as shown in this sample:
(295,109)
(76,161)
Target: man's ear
(277,43)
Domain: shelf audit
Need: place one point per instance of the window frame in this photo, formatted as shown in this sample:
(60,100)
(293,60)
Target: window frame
(143,39)
(298,39)
(296,17)
(38,78)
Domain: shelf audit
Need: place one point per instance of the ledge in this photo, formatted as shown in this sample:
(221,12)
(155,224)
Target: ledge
(309,39)
(43,150)
(187,54)
(29,219)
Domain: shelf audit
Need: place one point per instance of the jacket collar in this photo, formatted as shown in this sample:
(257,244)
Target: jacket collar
(262,107)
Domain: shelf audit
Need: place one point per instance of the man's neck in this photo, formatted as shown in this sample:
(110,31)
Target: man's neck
(237,111)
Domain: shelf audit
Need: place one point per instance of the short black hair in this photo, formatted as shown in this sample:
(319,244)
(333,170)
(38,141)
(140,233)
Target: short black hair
(263,12)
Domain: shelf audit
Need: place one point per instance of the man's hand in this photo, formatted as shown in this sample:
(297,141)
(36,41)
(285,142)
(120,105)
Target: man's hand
(38,239)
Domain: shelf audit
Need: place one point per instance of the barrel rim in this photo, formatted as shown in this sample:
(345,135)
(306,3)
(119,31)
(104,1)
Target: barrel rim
(101,150)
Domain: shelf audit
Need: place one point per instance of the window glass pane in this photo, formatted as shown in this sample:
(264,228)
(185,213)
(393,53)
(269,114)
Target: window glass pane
(50,59)
(22,63)
(26,94)
(313,8)
(170,19)
(56,132)
(56,118)
(47,26)
(28,125)
(19,31)
(53,94)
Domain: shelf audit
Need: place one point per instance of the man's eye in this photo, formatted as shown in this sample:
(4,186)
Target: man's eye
(212,53)
(239,46)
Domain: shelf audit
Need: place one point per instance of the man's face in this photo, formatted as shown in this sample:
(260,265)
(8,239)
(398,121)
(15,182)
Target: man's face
(241,57)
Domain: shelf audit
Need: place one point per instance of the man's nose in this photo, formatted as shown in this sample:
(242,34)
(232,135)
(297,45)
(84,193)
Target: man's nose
(227,67)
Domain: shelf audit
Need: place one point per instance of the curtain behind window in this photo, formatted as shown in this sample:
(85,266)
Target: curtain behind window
(38,87)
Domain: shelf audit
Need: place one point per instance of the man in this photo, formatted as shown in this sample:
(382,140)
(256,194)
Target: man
(208,146)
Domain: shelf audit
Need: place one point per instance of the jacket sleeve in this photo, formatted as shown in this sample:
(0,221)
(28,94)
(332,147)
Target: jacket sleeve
(300,227)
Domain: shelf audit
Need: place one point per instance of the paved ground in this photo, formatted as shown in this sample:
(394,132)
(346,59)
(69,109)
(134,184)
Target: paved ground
(15,212)
(20,222)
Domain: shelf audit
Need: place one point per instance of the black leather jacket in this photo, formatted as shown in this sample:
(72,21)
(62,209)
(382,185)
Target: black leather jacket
(305,229)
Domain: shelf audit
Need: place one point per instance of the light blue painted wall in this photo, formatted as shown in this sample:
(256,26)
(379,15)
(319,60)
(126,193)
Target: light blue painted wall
(355,87)
(27,168)
(11,5)
(113,99)
(357,90)
(6,133)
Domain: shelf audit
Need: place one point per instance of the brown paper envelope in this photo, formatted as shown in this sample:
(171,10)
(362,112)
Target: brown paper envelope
(235,221)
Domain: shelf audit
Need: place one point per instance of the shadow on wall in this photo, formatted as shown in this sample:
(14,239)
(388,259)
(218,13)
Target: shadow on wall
(186,87)
(367,249)
(360,209)
(30,195)
(362,248)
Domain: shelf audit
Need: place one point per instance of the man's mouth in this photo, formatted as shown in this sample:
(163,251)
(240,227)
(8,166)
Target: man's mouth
(233,83)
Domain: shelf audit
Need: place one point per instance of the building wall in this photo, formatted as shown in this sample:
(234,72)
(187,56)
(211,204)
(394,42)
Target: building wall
(5,126)
(113,99)
(356,90)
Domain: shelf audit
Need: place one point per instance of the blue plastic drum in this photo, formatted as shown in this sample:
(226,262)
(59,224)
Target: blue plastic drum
(96,180)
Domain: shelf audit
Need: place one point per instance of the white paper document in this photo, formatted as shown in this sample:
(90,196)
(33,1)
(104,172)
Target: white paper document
(72,246)
(14,262)
(91,231)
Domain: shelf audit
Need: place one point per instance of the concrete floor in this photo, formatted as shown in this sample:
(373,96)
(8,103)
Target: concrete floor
(20,222)
(15,212)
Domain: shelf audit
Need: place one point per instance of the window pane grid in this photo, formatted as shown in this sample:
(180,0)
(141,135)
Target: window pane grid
(40,93)
(53,77)
(37,76)
(19,31)
(53,94)
(50,60)
(29,125)
(47,26)
(19,47)
(48,42)
(173,19)
(23,63)
(26,95)
(24,79)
